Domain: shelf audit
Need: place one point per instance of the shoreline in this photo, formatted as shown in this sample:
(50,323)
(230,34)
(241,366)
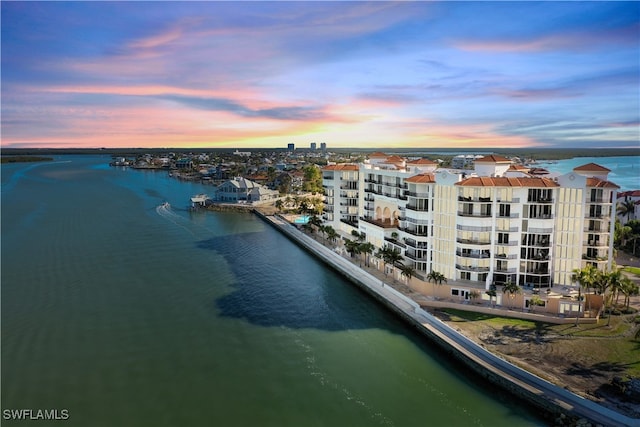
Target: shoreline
(555,401)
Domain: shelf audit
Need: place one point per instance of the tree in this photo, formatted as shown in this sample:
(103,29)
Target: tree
(627,207)
(610,281)
(437,278)
(312,179)
(512,289)
(585,278)
(332,234)
(279,205)
(351,246)
(367,249)
(474,295)
(407,271)
(394,257)
(628,288)
(492,294)
(535,301)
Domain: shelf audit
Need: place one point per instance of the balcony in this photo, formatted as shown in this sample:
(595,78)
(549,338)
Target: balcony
(415,257)
(589,257)
(474,241)
(415,244)
(541,216)
(379,223)
(475,199)
(475,214)
(503,269)
(505,256)
(415,194)
(513,215)
(473,255)
(414,231)
(541,200)
(417,209)
(471,268)
(395,242)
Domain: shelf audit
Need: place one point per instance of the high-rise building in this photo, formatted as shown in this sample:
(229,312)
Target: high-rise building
(323,146)
(312,146)
(291,147)
(494,225)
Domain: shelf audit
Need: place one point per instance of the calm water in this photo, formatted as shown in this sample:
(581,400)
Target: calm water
(625,171)
(127,313)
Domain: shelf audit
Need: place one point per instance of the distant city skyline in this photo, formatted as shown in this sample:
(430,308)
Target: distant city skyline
(480,75)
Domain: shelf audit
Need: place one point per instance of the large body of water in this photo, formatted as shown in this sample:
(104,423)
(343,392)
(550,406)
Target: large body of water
(625,170)
(128,313)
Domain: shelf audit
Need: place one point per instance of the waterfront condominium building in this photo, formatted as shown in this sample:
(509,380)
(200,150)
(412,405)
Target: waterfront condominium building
(491,225)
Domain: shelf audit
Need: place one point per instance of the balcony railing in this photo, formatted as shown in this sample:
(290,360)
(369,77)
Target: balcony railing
(541,200)
(475,214)
(513,215)
(471,268)
(505,256)
(414,231)
(505,270)
(474,241)
(416,257)
(383,224)
(473,255)
(475,199)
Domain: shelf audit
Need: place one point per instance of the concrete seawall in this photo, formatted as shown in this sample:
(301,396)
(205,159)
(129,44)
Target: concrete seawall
(553,400)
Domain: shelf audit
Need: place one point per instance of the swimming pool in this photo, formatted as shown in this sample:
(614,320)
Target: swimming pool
(302,219)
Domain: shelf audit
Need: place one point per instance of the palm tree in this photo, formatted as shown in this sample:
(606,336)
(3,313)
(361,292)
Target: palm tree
(611,280)
(332,234)
(534,301)
(437,277)
(279,205)
(629,288)
(492,294)
(394,257)
(585,278)
(367,249)
(407,271)
(627,208)
(512,289)
(351,246)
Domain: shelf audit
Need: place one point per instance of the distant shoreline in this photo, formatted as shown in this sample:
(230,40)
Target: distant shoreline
(538,154)
(23,159)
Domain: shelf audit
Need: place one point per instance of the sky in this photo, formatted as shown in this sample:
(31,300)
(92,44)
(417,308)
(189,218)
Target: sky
(349,74)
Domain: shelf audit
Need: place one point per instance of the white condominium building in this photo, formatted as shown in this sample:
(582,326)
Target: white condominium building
(492,225)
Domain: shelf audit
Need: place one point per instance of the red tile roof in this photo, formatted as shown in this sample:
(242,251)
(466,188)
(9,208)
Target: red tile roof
(377,155)
(518,168)
(599,183)
(422,178)
(591,167)
(493,159)
(341,167)
(422,161)
(394,159)
(487,181)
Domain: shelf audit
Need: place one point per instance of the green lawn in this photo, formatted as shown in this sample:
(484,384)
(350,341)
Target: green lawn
(613,344)
(632,270)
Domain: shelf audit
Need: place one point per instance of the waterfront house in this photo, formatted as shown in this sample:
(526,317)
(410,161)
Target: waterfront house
(241,190)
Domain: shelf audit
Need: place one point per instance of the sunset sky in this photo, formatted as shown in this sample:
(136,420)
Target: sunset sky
(350,74)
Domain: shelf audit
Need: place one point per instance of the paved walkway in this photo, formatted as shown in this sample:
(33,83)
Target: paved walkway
(529,383)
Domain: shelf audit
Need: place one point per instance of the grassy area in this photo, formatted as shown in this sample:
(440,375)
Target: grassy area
(612,345)
(632,270)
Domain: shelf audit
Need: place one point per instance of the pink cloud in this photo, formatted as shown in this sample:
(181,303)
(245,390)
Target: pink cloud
(566,41)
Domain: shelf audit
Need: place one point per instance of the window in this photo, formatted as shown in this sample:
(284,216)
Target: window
(505,210)
(503,238)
